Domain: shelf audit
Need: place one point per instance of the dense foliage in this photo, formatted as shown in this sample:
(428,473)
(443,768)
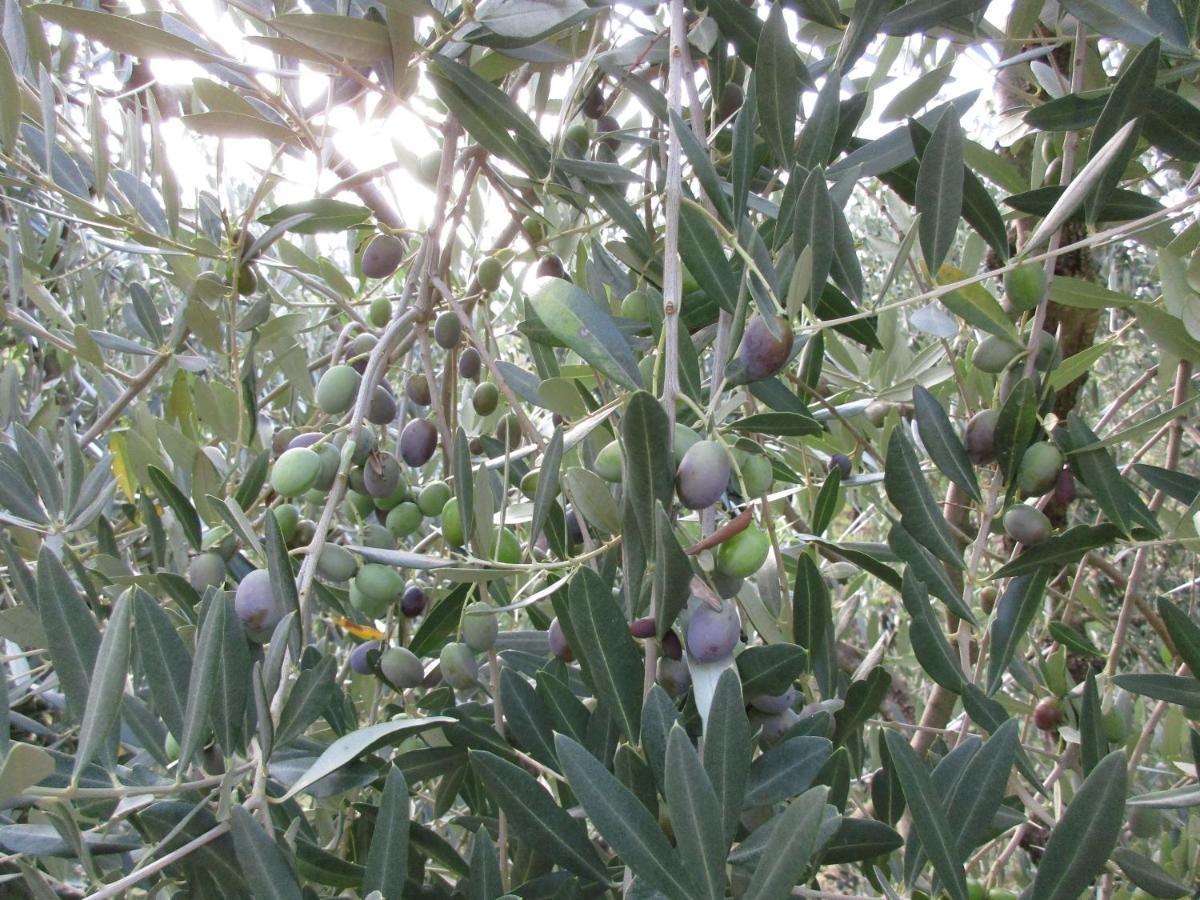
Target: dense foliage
(743,459)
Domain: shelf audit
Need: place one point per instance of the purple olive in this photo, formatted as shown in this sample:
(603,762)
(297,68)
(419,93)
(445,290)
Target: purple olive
(841,462)
(672,647)
(307,439)
(762,353)
(255,604)
(469,364)
(381,475)
(774,704)
(593,103)
(644,627)
(382,408)
(712,634)
(418,441)
(447,330)
(361,657)
(550,266)
(674,676)
(558,641)
(574,530)
(703,474)
(1064,487)
(980,436)
(382,256)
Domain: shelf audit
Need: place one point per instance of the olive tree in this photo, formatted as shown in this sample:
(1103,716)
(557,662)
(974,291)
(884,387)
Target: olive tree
(743,459)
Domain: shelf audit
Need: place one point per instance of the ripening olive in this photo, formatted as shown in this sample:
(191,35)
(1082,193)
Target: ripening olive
(401,667)
(490,273)
(382,256)
(1048,714)
(744,553)
(256,606)
(1039,468)
(469,364)
(508,431)
(337,389)
(712,634)
(205,571)
(611,129)
(609,462)
(395,498)
(379,582)
(305,439)
(1145,822)
(762,353)
(673,676)
(433,497)
(417,390)
(480,627)
(247,280)
(558,641)
(295,471)
(1026,525)
(727,586)
(980,436)
(1045,352)
(994,354)
(485,398)
(672,647)
(772,727)
(447,330)
(380,312)
(336,563)
(362,656)
(403,519)
(358,350)
(418,442)
(413,601)
(459,668)
(703,475)
(1024,286)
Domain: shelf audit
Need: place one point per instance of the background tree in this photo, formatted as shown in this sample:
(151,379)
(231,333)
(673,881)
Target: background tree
(554,513)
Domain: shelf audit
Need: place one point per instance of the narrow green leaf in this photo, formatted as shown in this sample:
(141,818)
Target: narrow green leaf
(777,73)
(672,572)
(863,28)
(770,668)
(547,485)
(464,482)
(185,513)
(1172,124)
(812,619)
(526,717)
(780,424)
(927,569)
(695,817)
(1080,294)
(1015,611)
(939,192)
(1184,632)
(727,748)
(71,633)
(649,473)
(922,15)
(929,643)
(932,828)
(941,440)
(815,145)
(623,821)
(1148,875)
(790,847)
(704,256)
(580,323)
(267,871)
(1096,469)
(1181,690)
(608,654)
(972,805)
(1081,842)
(484,881)
(787,769)
(909,492)
(1093,743)
(1016,426)
(1061,549)
(702,165)
(814,229)
(828,501)
(311,694)
(103,709)
(387,857)
(1176,485)
(658,716)
(230,682)
(743,165)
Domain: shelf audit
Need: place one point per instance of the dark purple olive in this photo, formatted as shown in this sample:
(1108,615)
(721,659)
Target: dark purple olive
(980,437)
(558,641)
(732,97)
(762,353)
(712,634)
(550,266)
(382,256)
(362,657)
(382,408)
(413,601)
(469,364)
(381,475)
(703,474)
(841,462)
(593,103)
(673,676)
(672,647)
(255,604)
(418,441)
(609,125)
(307,439)
(1064,487)
(574,531)
(644,627)
(417,390)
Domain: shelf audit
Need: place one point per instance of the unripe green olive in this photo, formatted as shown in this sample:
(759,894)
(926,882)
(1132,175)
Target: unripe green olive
(295,471)
(380,312)
(452,529)
(205,571)
(994,354)
(508,548)
(609,462)
(485,398)
(401,667)
(1039,468)
(636,305)
(1026,525)
(369,606)
(458,665)
(433,497)
(404,519)
(1024,286)
(287,517)
(491,271)
(337,389)
(379,582)
(744,553)
(480,627)
(372,534)
(758,474)
(336,563)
